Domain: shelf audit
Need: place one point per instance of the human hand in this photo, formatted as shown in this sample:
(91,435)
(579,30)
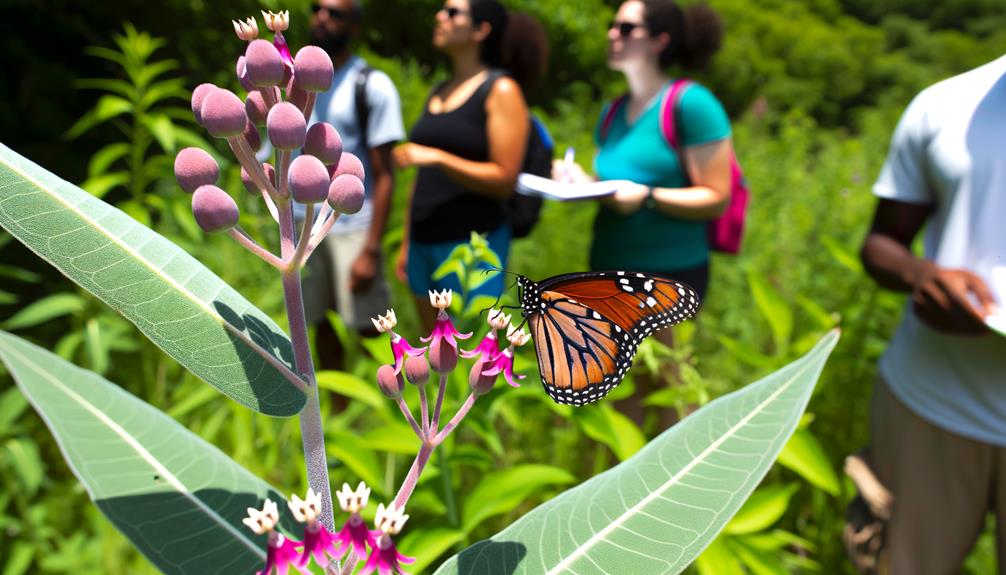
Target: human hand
(569,172)
(627,199)
(953,301)
(363,271)
(408,155)
(402,263)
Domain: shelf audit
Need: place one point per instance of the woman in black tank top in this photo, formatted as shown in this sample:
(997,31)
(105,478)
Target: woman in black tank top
(468,146)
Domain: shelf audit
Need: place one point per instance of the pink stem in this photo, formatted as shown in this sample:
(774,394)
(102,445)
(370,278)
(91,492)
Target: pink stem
(455,420)
(245,240)
(435,426)
(317,236)
(282,165)
(408,415)
(425,411)
(409,485)
(246,157)
(298,258)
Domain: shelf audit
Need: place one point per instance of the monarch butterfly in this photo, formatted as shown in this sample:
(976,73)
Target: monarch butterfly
(586,326)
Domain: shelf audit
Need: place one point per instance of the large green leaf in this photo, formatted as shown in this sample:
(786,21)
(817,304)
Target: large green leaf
(177,302)
(179,499)
(655,512)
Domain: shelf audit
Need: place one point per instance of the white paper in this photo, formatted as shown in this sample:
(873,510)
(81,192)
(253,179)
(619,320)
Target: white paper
(531,185)
(997,323)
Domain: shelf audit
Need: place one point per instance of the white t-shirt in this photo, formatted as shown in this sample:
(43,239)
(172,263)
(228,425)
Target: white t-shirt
(337,106)
(949,150)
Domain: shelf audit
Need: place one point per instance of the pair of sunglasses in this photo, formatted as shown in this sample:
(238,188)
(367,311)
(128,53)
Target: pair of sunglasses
(624,28)
(452,11)
(333,13)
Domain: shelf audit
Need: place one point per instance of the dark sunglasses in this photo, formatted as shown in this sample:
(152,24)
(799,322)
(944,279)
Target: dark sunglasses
(624,28)
(452,11)
(333,13)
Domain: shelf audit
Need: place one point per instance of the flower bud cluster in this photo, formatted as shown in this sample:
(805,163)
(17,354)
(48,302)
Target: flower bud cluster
(281,90)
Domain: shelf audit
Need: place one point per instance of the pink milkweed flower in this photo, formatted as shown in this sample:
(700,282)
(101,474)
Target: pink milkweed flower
(503,362)
(281,552)
(443,359)
(489,346)
(399,346)
(384,557)
(354,534)
(318,540)
(278,22)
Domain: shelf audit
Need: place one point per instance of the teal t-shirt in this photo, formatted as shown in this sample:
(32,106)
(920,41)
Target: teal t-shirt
(648,240)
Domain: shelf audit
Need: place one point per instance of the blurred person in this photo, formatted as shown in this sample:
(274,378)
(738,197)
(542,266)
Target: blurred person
(938,418)
(660,224)
(468,145)
(345,272)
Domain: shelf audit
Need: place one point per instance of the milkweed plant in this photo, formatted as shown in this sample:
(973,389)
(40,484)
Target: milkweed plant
(328,181)
(653,513)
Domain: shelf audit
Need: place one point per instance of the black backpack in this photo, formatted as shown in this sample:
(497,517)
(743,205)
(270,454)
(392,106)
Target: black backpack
(523,211)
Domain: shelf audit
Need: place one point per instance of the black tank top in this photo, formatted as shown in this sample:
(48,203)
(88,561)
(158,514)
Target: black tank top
(443,209)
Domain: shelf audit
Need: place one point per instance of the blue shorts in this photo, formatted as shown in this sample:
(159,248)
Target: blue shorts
(425,258)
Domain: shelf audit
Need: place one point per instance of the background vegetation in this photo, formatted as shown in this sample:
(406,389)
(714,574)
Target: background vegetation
(814,88)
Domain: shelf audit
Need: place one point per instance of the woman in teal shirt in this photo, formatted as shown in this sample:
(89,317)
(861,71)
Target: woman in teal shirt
(660,225)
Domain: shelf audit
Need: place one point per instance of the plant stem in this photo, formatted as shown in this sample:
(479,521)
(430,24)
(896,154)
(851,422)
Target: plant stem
(455,420)
(311,430)
(408,416)
(409,485)
(424,411)
(435,426)
(251,245)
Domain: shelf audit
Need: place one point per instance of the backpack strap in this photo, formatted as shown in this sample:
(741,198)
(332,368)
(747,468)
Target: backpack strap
(609,115)
(360,104)
(668,110)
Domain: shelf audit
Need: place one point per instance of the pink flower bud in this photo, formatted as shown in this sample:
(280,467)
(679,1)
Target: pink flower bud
(312,69)
(224,113)
(295,95)
(250,184)
(194,167)
(443,355)
(308,180)
(252,136)
(286,126)
(264,64)
(417,371)
(480,383)
(323,142)
(255,108)
(345,194)
(214,209)
(391,384)
(348,164)
(198,95)
(242,73)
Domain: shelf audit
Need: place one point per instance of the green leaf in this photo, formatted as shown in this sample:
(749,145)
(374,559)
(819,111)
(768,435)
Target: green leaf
(804,455)
(504,490)
(179,499)
(98,186)
(12,405)
(842,255)
(774,309)
(96,345)
(23,456)
(363,463)
(450,266)
(765,506)
(680,490)
(105,157)
(108,107)
(757,561)
(19,560)
(718,559)
(426,545)
(612,428)
(391,437)
(186,310)
(162,129)
(16,273)
(348,385)
(45,309)
(744,353)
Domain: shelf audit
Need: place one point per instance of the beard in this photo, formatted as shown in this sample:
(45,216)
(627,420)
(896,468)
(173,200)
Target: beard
(332,43)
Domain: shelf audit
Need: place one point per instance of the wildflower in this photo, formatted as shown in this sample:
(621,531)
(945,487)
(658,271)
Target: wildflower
(246,30)
(391,384)
(503,362)
(264,64)
(384,558)
(194,167)
(399,346)
(443,358)
(489,346)
(318,541)
(214,209)
(277,23)
(354,534)
(281,552)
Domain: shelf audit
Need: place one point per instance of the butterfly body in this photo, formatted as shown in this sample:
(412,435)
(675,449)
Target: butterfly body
(587,326)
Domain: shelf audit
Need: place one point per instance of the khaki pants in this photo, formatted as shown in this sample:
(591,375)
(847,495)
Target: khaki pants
(326,283)
(943,485)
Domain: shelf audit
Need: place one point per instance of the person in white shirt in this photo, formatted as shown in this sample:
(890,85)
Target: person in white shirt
(345,274)
(938,420)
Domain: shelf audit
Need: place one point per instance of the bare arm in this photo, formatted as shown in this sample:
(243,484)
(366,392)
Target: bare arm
(507,126)
(886,253)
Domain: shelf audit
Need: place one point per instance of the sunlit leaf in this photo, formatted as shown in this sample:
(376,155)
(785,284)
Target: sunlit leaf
(105,109)
(612,428)
(773,308)
(44,310)
(179,499)
(680,490)
(426,545)
(177,302)
(503,490)
(765,506)
(804,454)
(23,456)
(717,559)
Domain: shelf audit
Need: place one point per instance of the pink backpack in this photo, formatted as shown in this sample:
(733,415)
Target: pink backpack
(725,231)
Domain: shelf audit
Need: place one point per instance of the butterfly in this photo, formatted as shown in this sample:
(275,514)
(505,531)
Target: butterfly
(586,326)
